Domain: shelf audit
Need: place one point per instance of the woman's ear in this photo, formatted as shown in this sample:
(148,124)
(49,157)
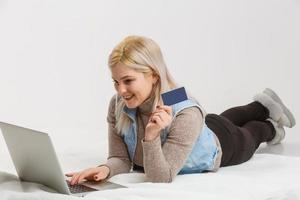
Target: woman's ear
(155,78)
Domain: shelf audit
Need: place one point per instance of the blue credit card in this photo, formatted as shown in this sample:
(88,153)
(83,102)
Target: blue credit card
(174,96)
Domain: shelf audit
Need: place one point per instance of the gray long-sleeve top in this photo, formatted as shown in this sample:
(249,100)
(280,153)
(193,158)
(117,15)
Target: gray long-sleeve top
(161,162)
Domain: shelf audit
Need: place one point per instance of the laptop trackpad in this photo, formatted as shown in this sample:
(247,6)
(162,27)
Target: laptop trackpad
(102,185)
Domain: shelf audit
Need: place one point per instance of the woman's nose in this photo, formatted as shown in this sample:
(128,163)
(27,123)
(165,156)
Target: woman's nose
(121,89)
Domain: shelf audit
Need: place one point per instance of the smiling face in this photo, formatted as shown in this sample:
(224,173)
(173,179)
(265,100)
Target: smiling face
(134,87)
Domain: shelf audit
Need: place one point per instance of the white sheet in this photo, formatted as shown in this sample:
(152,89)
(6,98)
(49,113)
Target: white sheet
(265,176)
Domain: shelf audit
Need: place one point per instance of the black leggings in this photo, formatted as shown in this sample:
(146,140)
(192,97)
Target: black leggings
(240,131)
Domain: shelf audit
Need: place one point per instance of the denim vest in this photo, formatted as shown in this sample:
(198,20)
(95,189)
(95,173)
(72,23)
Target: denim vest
(204,152)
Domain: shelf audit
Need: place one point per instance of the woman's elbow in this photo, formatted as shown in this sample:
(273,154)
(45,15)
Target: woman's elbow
(160,179)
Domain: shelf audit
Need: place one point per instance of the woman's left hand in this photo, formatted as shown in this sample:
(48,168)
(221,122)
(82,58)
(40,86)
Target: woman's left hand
(160,119)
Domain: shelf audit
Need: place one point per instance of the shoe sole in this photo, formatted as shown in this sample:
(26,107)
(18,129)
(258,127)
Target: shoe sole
(286,111)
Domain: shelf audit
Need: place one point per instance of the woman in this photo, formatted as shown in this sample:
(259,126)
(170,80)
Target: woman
(164,141)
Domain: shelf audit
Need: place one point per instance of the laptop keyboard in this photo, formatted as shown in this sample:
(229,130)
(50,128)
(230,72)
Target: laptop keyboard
(79,188)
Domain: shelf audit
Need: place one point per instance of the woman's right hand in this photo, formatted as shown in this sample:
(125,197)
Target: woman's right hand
(91,174)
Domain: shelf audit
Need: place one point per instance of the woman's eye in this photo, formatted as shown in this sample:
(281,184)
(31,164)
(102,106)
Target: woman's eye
(127,82)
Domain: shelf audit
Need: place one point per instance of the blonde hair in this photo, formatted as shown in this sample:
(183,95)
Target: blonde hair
(143,55)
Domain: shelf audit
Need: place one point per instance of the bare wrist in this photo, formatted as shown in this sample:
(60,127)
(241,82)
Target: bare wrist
(150,137)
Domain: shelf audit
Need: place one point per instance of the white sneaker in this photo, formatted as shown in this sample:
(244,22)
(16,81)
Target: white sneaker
(279,133)
(287,118)
(274,108)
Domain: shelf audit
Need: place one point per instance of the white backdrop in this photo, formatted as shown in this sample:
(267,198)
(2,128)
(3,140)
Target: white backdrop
(53,58)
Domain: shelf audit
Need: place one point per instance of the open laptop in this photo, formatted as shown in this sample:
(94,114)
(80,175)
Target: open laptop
(35,160)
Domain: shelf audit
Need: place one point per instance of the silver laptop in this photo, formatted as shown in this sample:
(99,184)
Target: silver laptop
(35,160)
